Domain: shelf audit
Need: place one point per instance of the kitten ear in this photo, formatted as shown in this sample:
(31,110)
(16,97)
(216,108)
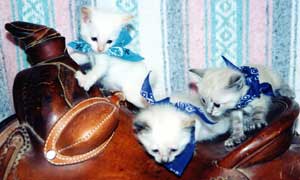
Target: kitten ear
(199,72)
(236,81)
(193,87)
(140,126)
(86,14)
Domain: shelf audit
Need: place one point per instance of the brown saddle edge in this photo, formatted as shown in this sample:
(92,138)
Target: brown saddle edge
(262,147)
(267,144)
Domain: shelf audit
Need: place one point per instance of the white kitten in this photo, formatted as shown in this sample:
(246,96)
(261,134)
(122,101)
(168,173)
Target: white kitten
(100,29)
(220,89)
(164,131)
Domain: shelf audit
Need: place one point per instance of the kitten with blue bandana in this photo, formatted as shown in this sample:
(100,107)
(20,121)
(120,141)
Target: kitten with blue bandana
(220,89)
(100,29)
(164,130)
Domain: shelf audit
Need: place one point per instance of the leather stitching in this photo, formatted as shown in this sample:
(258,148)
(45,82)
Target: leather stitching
(53,136)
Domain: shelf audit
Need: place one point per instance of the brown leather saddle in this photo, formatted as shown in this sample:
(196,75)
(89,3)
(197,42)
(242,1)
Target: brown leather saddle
(62,132)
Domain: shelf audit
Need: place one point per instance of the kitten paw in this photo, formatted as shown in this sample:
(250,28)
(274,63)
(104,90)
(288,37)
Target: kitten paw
(234,141)
(255,125)
(82,80)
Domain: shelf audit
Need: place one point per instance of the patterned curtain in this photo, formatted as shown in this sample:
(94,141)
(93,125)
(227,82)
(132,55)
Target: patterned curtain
(172,35)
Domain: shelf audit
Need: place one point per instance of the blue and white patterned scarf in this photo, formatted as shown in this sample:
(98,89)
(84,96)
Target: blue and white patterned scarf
(252,80)
(116,50)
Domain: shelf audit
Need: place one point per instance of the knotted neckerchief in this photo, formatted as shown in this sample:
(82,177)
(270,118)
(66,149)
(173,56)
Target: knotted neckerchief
(252,80)
(180,162)
(116,50)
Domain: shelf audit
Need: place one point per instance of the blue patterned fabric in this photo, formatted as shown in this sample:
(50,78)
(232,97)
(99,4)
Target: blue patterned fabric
(252,80)
(226,33)
(146,92)
(81,46)
(181,161)
(116,50)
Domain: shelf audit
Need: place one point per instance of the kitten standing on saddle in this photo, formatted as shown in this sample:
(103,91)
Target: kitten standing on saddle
(100,30)
(221,91)
(165,131)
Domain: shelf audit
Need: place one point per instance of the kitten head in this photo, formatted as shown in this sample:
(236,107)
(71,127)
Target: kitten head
(101,28)
(164,131)
(219,89)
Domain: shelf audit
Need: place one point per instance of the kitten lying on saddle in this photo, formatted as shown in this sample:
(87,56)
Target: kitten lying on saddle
(104,37)
(241,93)
(164,128)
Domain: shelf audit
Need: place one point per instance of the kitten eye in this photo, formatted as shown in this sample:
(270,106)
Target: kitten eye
(109,41)
(140,127)
(217,105)
(155,150)
(173,150)
(203,101)
(94,39)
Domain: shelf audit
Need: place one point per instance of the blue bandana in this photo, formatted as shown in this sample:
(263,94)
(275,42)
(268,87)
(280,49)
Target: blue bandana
(117,49)
(178,165)
(252,80)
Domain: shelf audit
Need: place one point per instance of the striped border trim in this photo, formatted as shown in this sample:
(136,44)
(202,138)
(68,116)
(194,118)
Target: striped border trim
(175,44)
(40,13)
(186,38)
(164,47)
(6,107)
(294,44)
(281,37)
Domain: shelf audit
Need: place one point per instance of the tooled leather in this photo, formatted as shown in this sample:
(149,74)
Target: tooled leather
(64,75)
(32,34)
(44,35)
(50,82)
(54,135)
(32,99)
(18,143)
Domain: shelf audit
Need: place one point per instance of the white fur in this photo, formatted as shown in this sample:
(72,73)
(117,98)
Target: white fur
(103,25)
(169,128)
(115,74)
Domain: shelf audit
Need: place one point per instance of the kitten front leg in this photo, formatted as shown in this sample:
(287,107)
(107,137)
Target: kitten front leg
(83,81)
(92,76)
(237,127)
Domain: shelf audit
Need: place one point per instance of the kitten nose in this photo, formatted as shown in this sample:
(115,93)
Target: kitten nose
(165,160)
(100,48)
